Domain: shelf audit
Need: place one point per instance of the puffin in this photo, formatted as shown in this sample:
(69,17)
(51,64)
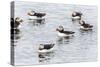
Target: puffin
(36,15)
(76,16)
(85,26)
(63,33)
(45,47)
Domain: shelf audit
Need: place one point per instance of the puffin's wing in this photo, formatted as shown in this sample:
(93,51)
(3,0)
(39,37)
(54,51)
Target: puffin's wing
(68,32)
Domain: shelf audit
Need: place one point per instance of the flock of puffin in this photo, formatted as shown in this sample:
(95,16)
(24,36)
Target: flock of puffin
(61,32)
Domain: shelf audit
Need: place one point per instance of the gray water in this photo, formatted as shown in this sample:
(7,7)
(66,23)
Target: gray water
(82,47)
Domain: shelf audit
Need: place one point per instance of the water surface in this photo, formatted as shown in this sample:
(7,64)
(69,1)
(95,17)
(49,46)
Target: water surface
(80,48)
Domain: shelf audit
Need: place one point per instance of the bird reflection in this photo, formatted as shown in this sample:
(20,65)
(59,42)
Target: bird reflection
(45,57)
(17,31)
(17,37)
(84,32)
(64,40)
(15,34)
(37,22)
(41,21)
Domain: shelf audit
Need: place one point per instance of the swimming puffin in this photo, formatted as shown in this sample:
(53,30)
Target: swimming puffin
(45,47)
(35,15)
(76,16)
(85,26)
(63,33)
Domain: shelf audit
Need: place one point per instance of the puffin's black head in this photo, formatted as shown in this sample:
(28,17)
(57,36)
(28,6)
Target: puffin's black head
(76,14)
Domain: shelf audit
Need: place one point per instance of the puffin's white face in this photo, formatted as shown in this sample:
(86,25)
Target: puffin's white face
(82,22)
(41,46)
(31,13)
(74,13)
(61,28)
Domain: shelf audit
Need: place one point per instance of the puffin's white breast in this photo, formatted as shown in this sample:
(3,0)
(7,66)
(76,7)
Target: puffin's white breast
(81,27)
(76,17)
(64,35)
(36,18)
(46,50)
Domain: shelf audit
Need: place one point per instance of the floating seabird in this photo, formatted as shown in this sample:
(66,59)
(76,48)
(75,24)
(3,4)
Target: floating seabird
(35,15)
(63,33)
(76,16)
(46,47)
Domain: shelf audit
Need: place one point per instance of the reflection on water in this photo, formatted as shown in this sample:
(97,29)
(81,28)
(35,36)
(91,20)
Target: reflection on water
(16,31)
(64,40)
(41,21)
(45,57)
(37,22)
(84,32)
(15,35)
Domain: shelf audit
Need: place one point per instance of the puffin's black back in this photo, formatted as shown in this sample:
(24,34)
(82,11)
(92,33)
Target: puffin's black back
(48,46)
(39,14)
